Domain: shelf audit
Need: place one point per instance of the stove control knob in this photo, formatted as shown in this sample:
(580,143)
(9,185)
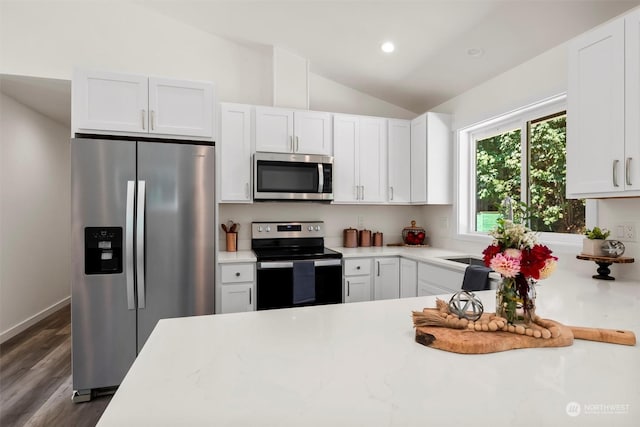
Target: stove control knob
(268,228)
(317,228)
(310,228)
(259,229)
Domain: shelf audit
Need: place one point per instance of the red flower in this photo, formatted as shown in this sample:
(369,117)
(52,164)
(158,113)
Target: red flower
(534,260)
(489,253)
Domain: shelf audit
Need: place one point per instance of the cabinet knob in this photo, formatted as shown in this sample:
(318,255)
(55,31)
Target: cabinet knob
(358,268)
(237,274)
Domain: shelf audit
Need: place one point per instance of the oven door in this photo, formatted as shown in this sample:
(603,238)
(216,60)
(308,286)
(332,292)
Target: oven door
(274,285)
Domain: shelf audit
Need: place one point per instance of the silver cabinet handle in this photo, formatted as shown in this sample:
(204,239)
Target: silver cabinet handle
(348,288)
(615,169)
(246,190)
(627,171)
(140,243)
(391,188)
(357,191)
(144,118)
(153,119)
(297,144)
(250,296)
(131,299)
(362,198)
(291,143)
(378,268)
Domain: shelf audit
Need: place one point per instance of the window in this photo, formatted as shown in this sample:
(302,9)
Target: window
(518,161)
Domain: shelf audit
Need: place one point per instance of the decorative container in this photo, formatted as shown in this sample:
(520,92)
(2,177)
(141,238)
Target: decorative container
(365,238)
(232,242)
(350,238)
(516,299)
(593,247)
(377,239)
(413,235)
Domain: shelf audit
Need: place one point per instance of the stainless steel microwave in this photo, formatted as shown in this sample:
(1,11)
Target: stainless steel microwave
(280,176)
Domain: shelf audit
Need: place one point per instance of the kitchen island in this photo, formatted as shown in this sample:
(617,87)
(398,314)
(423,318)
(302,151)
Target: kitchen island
(358,364)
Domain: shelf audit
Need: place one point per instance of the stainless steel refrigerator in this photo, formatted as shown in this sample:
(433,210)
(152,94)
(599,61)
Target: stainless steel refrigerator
(142,248)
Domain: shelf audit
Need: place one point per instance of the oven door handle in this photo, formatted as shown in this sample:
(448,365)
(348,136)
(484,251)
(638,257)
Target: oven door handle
(289,264)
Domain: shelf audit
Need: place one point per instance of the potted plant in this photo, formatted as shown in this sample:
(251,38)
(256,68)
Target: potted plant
(592,245)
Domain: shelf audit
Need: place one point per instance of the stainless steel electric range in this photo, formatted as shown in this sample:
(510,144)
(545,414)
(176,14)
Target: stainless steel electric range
(294,268)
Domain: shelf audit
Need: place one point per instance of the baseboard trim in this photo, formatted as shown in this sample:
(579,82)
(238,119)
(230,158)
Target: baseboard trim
(15,330)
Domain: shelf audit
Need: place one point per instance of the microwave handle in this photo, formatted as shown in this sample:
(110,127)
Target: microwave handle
(320,178)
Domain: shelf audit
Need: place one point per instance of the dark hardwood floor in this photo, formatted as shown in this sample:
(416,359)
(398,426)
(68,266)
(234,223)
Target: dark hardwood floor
(35,378)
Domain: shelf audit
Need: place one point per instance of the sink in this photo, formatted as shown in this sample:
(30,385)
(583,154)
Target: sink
(467,260)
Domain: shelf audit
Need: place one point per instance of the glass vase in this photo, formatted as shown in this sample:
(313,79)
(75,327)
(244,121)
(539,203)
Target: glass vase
(516,300)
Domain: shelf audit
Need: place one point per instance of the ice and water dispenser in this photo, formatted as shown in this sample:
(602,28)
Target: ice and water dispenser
(102,250)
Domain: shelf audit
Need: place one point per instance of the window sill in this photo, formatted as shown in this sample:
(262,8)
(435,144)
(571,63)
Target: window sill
(557,242)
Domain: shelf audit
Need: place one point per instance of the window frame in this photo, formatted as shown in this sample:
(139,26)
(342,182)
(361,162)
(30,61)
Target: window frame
(466,167)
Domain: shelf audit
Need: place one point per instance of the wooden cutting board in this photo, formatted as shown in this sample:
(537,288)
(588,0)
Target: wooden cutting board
(471,342)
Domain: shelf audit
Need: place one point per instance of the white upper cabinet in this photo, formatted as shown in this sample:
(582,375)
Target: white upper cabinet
(235,153)
(603,144)
(110,102)
(105,102)
(178,107)
(399,161)
(280,130)
(360,159)
(431,159)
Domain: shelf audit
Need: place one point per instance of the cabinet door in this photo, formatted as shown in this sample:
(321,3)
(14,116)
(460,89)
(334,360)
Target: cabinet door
(386,282)
(236,298)
(444,278)
(274,130)
(312,133)
(439,159)
(419,160)
(235,153)
(357,288)
(180,107)
(408,278)
(110,102)
(399,161)
(346,133)
(632,100)
(427,289)
(595,111)
(373,160)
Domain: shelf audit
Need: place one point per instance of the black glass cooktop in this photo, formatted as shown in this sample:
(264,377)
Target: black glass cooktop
(292,254)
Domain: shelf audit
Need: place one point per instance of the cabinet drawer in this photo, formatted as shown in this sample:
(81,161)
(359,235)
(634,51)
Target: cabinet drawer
(356,267)
(442,277)
(234,273)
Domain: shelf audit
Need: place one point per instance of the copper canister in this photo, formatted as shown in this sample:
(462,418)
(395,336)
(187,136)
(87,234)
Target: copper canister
(350,239)
(377,238)
(365,238)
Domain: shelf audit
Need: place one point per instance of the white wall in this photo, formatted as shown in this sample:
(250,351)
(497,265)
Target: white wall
(534,80)
(34,216)
(290,80)
(327,95)
(390,220)
(49,38)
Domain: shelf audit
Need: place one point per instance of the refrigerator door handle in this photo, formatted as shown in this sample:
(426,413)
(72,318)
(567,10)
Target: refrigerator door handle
(140,244)
(131,300)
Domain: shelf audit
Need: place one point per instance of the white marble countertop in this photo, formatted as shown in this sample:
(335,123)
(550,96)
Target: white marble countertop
(358,365)
(234,257)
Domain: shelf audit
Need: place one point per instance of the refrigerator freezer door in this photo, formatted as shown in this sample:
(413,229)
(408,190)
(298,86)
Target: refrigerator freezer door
(103,327)
(179,232)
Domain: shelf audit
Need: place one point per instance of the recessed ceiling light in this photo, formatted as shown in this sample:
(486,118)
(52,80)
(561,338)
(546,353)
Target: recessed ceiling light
(475,52)
(387,47)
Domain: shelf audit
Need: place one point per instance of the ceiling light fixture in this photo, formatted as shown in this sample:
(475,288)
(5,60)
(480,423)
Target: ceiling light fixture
(475,52)
(387,47)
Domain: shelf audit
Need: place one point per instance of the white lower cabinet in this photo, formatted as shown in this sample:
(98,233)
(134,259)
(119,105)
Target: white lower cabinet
(358,282)
(435,280)
(408,278)
(386,281)
(237,290)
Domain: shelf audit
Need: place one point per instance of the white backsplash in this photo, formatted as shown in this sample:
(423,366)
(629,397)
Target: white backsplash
(390,220)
